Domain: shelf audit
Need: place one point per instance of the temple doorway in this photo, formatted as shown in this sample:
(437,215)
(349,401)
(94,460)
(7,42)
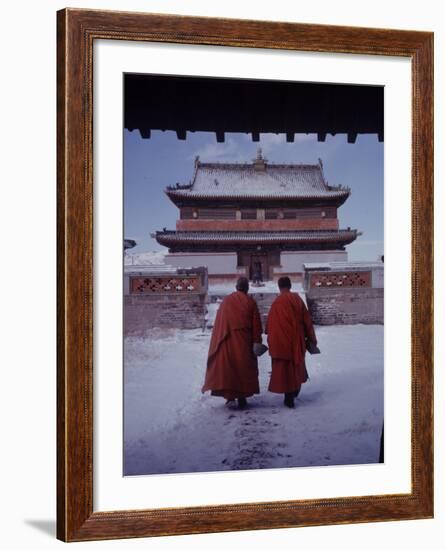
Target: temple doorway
(259,264)
(259,268)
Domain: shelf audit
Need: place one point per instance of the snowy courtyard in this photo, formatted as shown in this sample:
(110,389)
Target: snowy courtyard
(171,427)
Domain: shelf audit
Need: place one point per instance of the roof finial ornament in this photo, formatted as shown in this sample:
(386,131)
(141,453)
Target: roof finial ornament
(260,162)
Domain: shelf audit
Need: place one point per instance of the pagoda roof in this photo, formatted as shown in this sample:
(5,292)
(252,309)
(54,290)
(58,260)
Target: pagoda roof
(257,180)
(344,236)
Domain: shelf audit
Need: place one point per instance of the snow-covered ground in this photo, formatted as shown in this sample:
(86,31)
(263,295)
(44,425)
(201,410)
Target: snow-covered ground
(170,426)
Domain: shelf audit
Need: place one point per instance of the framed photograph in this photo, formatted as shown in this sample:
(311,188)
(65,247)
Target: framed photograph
(245,231)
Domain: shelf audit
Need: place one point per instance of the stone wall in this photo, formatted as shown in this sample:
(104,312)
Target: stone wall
(145,311)
(345,293)
(331,273)
(346,306)
(162,296)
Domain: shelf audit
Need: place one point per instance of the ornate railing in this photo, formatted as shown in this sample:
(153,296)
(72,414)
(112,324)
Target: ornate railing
(165,284)
(344,279)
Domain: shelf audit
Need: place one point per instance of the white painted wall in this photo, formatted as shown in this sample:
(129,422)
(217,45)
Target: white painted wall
(222,263)
(292,262)
(225,263)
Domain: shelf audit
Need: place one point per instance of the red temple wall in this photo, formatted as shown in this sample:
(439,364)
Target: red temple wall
(257,225)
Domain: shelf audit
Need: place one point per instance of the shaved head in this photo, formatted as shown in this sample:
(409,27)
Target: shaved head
(242,284)
(284,282)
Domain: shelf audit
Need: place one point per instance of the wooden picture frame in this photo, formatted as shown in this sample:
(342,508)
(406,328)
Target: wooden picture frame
(77,31)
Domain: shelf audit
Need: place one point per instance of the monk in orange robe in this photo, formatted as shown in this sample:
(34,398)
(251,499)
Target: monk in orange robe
(232,368)
(289,326)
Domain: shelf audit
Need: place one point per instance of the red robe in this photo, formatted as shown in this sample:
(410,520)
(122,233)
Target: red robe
(232,368)
(289,324)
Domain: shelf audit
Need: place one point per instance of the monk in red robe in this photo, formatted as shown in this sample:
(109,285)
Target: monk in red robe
(232,368)
(289,326)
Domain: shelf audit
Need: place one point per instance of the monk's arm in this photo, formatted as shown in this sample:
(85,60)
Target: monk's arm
(308,326)
(257,327)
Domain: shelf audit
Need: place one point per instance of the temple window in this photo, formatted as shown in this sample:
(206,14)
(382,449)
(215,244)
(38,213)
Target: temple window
(217,214)
(248,215)
(289,214)
(186,213)
(271,214)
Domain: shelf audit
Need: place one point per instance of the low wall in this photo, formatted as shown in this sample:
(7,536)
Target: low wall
(345,293)
(346,306)
(173,298)
(335,274)
(145,311)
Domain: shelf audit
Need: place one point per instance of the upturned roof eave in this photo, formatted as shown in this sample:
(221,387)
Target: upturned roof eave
(179,198)
(173,237)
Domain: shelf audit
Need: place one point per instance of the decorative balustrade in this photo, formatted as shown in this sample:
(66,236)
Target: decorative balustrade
(341,279)
(165,284)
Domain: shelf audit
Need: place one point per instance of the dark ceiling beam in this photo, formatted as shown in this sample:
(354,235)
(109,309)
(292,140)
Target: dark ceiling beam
(352,137)
(221,105)
(145,132)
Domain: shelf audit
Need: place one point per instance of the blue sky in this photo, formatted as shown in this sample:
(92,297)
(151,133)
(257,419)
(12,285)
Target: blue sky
(152,164)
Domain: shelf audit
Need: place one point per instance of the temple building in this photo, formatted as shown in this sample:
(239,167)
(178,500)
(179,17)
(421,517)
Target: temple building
(258,219)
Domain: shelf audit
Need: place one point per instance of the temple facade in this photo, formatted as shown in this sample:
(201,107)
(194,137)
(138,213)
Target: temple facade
(258,219)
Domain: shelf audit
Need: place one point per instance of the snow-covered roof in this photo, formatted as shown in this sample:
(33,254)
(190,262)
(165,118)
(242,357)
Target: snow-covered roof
(258,180)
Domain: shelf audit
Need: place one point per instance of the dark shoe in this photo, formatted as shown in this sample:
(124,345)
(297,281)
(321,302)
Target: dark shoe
(289,400)
(242,402)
